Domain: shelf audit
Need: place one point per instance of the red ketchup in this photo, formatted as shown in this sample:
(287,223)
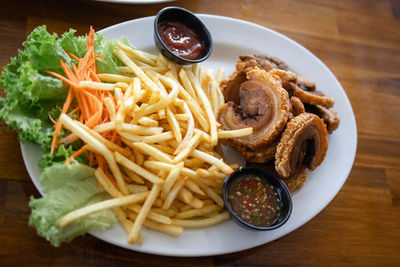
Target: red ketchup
(181,40)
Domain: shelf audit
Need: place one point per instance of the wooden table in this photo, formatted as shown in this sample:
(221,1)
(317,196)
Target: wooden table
(358,40)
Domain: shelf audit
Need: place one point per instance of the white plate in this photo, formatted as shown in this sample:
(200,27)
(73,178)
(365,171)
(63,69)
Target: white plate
(231,38)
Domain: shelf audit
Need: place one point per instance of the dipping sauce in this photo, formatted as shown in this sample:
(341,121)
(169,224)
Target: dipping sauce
(254,200)
(181,40)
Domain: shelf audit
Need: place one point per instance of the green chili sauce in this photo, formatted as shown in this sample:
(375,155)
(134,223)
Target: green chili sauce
(254,200)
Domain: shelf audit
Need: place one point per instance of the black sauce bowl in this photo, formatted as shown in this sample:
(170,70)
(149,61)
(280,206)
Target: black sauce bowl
(191,21)
(281,189)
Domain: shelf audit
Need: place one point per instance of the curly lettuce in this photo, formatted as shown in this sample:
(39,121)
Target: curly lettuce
(66,188)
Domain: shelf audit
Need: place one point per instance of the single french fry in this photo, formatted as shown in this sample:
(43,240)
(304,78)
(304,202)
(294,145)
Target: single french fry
(182,117)
(105,127)
(198,212)
(211,174)
(96,86)
(109,103)
(136,89)
(152,151)
(214,98)
(118,95)
(146,121)
(189,131)
(138,54)
(157,217)
(100,206)
(128,138)
(108,77)
(174,125)
(168,229)
(152,196)
(213,161)
(140,130)
(222,217)
(214,196)
(134,188)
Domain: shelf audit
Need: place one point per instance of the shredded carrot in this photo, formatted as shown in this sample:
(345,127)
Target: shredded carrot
(75,110)
(72,56)
(89,109)
(59,124)
(62,78)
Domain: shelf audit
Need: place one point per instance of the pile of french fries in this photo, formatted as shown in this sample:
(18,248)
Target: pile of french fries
(168,171)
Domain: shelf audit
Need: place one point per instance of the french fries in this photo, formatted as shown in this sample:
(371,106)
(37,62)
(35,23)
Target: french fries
(159,157)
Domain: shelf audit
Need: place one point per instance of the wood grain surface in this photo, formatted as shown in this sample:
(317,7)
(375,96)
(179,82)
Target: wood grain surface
(358,40)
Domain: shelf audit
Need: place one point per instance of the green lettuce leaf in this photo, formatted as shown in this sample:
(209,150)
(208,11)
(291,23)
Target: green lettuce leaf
(43,51)
(107,63)
(68,187)
(30,127)
(73,44)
